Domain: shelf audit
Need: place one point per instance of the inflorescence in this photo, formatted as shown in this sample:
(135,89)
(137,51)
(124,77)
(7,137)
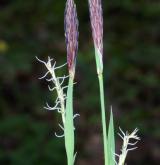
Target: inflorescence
(126,137)
(58,87)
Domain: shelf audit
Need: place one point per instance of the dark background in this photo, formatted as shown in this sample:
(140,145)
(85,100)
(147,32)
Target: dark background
(131,73)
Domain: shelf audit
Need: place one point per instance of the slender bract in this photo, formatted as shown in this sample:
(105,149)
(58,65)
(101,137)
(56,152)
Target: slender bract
(69,125)
(111,141)
(71,36)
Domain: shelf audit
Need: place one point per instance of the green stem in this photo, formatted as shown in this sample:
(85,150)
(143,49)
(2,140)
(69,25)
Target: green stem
(100,77)
(69,126)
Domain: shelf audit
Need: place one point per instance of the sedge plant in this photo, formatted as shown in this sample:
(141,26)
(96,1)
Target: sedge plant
(64,100)
(71,35)
(96,19)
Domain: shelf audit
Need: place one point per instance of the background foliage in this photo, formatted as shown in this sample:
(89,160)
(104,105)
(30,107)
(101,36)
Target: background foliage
(131,56)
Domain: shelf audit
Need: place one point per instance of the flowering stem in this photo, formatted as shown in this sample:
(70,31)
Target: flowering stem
(100,77)
(69,126)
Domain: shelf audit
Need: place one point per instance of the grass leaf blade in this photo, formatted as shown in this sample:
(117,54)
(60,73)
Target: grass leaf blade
(69,126)
(111,141)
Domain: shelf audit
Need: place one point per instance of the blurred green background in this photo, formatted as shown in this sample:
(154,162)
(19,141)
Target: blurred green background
(131,72)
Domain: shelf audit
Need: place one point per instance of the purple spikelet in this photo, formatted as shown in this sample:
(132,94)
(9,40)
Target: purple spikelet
(96,18)
(71,34)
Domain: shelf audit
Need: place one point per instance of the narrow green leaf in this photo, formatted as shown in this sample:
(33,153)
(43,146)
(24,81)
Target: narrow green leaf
(111,141)
(69,127)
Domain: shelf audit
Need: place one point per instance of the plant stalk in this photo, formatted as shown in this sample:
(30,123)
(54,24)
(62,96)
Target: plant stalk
(103,115)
